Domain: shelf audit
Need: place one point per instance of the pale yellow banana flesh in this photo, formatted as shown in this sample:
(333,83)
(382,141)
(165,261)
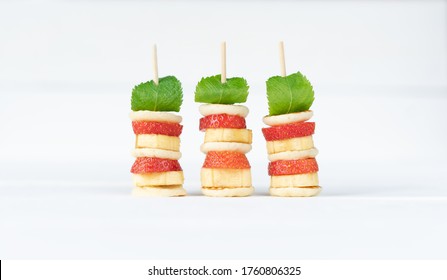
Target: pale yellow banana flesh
(155,116)
(157,141)
(158,179)
(292,144)
(228,135)
(288,118)
(294,155)
(225,178)
(297,180)
(295,191)
(225,146)
(227,192)
(211,109)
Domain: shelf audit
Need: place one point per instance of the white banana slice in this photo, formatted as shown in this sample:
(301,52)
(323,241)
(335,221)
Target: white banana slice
(225,146)
(292,144)
(158,179)
(287,118)
(298,180)
(295,192)
(294,155)
(157,141)
(155,116)
(228,192)
(228,135)
(212,109)
(225,178)
(158,153)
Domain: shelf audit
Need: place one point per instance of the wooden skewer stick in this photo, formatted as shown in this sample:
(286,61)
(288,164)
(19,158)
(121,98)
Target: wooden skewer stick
(155,64)
(282,60)
(223,56)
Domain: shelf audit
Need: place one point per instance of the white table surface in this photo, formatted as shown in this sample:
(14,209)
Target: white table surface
(106,222)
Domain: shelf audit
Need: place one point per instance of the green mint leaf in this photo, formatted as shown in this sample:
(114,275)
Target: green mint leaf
(211,90)
(289,94)
(166,96)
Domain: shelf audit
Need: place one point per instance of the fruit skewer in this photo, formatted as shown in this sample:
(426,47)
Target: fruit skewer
(226,171)
(156,170)
(293,167)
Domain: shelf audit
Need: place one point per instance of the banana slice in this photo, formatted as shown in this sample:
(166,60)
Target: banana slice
(158,153)
(288,118)
(292,144)
(212,109)
(228,192)
(155,116)
(228,135)
(157,191)
(295,192)
(158,179)
(225,146)
(298,180)
(157,141)
(293,155)
(225,178)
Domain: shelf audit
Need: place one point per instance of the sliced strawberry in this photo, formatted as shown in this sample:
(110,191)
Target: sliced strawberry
(226,159)
(145,127)
(222,121)
(290,167)
(287,131)
(151,164)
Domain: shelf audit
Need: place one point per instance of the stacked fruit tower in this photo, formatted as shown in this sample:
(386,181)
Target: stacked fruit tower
(156,171)
(226,170)
(293,168)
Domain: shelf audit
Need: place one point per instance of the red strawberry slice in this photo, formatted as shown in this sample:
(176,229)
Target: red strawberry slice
(222,121)
(226,159)
(145,127)
(150,164)
(287,131)
(290,167)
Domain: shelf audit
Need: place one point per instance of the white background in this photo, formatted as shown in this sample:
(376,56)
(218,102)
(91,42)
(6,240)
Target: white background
(379,71)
